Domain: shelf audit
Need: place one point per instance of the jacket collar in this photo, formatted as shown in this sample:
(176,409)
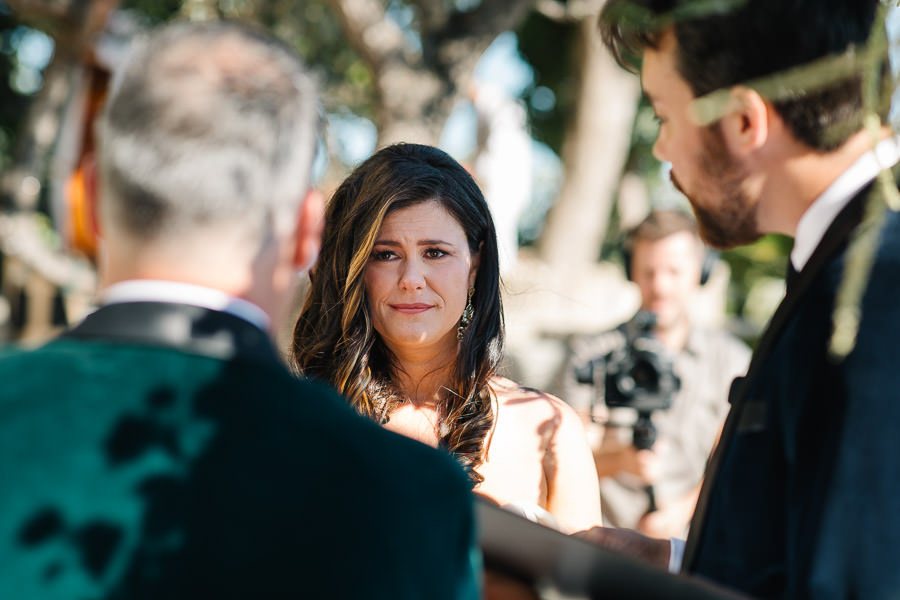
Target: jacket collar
(184,327)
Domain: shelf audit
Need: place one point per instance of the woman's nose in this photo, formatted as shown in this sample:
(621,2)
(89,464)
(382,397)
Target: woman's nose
(412,275)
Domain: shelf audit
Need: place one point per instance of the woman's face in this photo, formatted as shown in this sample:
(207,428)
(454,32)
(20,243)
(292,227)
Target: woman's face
(417,278)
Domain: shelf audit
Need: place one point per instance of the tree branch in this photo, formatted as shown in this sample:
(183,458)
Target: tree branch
(433,14)
(488,20)
(76,19)
(22,236)
(460,44)
(371,33)
(417,90)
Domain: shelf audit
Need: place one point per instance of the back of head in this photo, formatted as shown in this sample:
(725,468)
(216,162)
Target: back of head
(212,128)
(734,42)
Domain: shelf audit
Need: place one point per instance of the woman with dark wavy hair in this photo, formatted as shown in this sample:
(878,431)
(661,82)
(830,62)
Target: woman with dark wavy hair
(404,318)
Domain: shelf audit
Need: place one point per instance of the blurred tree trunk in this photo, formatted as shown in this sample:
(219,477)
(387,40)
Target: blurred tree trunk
(74,26)
(562,288)
(26,239)
(596,147)
(418,82)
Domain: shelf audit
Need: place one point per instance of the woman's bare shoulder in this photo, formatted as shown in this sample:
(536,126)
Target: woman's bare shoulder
(515,396)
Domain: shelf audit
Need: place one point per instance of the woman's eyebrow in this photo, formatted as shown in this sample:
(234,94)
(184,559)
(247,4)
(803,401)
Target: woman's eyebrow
(430,242)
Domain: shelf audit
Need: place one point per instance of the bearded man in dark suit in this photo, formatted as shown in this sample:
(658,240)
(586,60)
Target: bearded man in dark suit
(160,449)
(766,130)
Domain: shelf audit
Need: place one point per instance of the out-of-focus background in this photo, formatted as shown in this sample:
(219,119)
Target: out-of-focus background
(520,91)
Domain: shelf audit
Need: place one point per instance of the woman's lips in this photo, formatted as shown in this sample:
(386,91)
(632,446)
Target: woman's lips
(410,309)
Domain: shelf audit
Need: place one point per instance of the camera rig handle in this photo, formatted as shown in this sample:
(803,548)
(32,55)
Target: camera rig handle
(643,438)
(644,434)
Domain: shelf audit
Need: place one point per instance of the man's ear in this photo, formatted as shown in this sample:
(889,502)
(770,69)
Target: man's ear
(746,127)
(308,234)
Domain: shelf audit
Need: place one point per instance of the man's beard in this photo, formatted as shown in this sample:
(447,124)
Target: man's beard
(732,220)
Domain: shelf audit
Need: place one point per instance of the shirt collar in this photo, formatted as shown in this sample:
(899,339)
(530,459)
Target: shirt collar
(818,217)
(152,290)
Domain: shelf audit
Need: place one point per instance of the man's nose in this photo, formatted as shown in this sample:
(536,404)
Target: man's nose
(651,281)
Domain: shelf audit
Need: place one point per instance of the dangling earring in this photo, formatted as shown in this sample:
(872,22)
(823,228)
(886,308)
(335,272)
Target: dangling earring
(466,318)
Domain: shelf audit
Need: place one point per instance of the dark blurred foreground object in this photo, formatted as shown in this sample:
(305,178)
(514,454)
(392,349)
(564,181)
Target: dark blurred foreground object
(576,568)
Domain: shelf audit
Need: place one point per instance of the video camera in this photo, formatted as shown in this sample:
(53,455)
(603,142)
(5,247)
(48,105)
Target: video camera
(639,374)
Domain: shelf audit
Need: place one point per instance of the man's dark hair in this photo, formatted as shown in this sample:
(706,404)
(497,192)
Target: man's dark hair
(727,43)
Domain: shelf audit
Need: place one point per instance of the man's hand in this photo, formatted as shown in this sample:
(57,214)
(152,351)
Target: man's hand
(644,464)
(630,543)
(672,517)
(665,523)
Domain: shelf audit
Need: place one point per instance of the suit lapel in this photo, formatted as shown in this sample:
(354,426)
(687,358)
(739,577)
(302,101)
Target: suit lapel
(188,328)
(797,284)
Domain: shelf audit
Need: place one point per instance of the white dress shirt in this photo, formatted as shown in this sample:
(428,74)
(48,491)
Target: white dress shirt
(153,290)
(818,217)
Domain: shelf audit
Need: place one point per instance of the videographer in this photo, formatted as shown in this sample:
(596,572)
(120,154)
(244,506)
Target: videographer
(681,376)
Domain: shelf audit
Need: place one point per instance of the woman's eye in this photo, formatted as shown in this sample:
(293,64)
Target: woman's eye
(383,255)
(434,253)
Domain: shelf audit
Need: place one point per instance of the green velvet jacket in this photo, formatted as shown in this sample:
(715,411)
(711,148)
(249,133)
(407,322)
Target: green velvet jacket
(164,451)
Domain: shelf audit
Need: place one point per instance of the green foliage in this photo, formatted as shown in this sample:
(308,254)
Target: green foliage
(313,30)
(548,47)
(155,11)
(13,103)
(643,136)
(766,258)
(308,26)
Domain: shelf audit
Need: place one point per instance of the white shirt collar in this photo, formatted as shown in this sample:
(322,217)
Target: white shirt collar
(152,290)
(818,217)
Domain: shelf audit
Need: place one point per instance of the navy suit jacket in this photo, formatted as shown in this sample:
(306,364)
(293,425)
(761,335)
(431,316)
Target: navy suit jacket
(801,498)
(164,451)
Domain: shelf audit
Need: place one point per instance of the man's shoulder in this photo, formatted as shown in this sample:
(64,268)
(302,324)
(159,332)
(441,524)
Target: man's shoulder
(718,342)
(403,461)
(385,455)
(719,337)
(40,360)
(303,425)
(97,361)
(287,455)
(267,394)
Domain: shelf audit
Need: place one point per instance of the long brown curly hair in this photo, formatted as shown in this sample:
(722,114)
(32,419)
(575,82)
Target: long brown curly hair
(334,338)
